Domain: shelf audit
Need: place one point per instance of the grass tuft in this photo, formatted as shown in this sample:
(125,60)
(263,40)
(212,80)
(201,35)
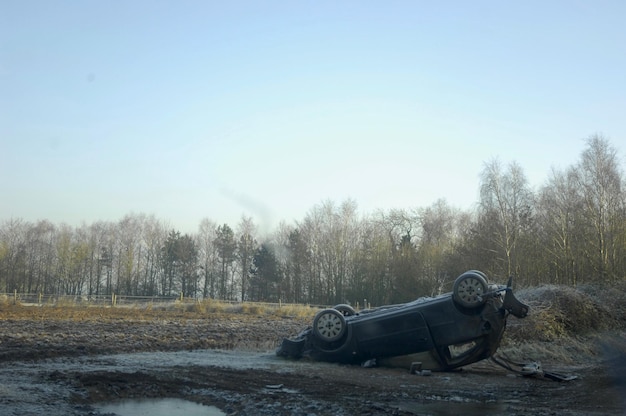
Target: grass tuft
(296,311)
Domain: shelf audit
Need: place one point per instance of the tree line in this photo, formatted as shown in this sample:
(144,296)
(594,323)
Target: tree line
(572,230)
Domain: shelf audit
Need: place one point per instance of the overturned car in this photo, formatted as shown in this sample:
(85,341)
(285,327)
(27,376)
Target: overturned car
(453,329)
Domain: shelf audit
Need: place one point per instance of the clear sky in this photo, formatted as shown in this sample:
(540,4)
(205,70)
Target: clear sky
(217,109)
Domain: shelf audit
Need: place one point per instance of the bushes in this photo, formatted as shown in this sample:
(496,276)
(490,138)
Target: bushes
(565,324)
(563,311)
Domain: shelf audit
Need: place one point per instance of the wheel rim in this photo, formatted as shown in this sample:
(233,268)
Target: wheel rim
(329,326)
(470,291)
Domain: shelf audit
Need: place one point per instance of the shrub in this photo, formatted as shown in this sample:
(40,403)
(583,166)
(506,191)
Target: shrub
(560,311)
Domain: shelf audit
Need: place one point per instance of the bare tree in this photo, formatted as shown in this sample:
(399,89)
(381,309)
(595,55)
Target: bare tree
(128,233)
(599,178)
(246,246)
(311,232)
(371,280)
(289,250)
(506,205)
(439,230)
(40,239)
(208,257)
(402,231)
(559,207)
(337,243)
(154,234)
(296,265)
(13,265)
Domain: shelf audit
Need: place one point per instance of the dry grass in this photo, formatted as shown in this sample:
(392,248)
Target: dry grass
(296,311)
(79,312)
(565,324)
(210,306)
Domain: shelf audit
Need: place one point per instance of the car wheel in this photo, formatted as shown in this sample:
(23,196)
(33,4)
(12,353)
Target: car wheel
(469,288)
(480,273)
(329,325)
(346,310)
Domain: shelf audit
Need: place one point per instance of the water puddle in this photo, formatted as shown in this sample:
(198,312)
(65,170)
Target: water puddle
(158,407)
(453,409)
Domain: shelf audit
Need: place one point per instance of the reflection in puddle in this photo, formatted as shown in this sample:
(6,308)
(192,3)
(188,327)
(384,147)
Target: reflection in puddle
(159,407)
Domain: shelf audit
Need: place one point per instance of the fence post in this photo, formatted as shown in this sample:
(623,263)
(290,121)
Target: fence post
(181,297)
(113,299)
(40,296)
(15,297)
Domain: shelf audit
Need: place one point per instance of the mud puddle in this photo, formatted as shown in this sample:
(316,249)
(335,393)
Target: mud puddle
(88,385)
(451,408)
(158,407)
(258,383)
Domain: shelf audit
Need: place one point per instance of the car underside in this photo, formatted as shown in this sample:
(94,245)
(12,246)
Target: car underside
(455,329)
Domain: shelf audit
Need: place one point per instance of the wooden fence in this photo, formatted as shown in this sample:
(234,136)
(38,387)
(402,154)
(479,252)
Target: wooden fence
(117,300)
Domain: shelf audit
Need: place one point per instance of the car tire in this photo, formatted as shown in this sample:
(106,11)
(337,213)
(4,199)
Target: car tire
(469,288)
(346,310)
(480,273)
(329,325)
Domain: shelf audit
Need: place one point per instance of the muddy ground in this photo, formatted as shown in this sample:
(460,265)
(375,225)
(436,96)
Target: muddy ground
(70,361)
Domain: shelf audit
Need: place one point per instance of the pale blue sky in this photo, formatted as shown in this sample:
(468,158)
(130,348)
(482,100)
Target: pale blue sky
(218,109)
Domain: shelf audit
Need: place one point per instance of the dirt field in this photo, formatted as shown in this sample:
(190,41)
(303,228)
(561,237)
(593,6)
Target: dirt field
(69,361)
